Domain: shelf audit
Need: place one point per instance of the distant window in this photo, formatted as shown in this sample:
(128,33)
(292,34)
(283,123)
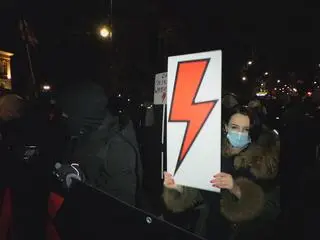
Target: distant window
(3,68)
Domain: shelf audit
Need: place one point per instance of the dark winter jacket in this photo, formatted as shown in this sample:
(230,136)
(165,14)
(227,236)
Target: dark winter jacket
(255,171)
(109,162)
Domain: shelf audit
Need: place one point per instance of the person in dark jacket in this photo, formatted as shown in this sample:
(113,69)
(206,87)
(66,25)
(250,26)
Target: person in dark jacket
(299,140)
(247,180)
(29,150)
(106,150)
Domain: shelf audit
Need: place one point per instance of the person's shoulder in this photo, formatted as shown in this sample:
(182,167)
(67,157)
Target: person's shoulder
(268,137)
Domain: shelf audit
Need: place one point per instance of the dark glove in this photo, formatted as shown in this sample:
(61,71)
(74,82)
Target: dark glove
(68,174)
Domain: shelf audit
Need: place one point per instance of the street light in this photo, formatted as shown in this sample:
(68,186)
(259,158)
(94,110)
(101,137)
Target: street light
(244,78)
(105,32)
(266,73)
(278,81)
(250,63)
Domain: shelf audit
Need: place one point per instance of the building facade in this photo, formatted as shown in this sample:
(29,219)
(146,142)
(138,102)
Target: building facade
(5,70)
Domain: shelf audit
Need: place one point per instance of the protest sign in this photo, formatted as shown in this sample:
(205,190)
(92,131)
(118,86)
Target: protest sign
(194,118)
(160,89)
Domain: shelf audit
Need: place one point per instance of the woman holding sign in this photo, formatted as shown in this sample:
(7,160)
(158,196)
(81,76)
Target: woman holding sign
(248,180)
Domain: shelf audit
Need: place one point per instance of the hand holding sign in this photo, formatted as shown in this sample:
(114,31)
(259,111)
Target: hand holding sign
(226,181)
(170,183)
(223,181)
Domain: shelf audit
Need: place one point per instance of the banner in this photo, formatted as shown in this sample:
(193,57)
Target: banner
(194,118)
(88,213)
(160,89)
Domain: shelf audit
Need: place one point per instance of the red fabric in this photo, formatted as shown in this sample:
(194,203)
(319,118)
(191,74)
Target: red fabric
(54,204)
(6,216)
(52,233)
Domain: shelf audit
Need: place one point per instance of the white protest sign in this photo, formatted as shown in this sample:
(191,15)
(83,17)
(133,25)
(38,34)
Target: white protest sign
(160,89)
(194,118)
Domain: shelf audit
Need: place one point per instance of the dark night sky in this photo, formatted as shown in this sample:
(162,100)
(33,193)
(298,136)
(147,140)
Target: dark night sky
(285,38)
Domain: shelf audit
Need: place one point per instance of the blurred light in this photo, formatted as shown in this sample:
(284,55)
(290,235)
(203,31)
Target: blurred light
(105,32)
(261,94)
(46,87)
(277,118)
(286,85)
(129,100)
(119,95)
(295,90)
(278,81)
(266,73)
(250,63)
(276,132)
(244,78)
(309,93)
(314,82)
(275,89)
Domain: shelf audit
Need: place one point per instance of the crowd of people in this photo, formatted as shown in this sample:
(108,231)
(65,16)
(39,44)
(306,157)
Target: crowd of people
(46,148)
(50,146)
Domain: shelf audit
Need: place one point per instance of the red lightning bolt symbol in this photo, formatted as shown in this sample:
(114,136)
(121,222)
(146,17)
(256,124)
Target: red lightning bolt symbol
(184,108)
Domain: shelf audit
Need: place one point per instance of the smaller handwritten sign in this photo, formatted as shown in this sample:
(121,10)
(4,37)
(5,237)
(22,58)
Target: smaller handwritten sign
(160,89)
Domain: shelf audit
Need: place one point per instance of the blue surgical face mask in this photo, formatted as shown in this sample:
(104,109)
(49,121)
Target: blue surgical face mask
(238,139)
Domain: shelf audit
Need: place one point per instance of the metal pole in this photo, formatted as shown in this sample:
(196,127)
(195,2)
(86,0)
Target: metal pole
(25,38)
(33,78)
(111,11)
(162,138)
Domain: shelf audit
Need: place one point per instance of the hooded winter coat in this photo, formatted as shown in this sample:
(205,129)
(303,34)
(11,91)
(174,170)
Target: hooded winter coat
(255,171)
(108,162)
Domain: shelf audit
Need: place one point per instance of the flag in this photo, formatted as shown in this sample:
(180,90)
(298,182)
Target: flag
(26,34)
(6,220)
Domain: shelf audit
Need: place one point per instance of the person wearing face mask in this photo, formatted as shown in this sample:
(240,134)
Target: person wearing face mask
(245,205)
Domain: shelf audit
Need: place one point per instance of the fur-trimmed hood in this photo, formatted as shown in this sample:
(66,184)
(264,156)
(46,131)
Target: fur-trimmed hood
(261,159)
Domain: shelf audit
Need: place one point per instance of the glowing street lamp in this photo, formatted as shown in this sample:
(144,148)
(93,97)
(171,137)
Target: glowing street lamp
(244,79)
(105,32)
(250,63)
